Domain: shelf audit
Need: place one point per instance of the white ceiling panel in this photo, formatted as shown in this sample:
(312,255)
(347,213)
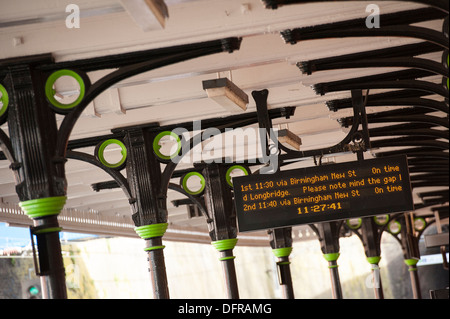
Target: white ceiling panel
(174,94)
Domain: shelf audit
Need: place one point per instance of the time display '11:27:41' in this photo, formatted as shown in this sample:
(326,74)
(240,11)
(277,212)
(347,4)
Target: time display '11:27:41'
(319,208)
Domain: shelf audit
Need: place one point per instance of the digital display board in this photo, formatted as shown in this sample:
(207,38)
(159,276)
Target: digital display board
(323,193)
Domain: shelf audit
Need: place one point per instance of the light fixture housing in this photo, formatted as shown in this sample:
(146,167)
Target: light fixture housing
(288,137)
(147,14)
(227,94)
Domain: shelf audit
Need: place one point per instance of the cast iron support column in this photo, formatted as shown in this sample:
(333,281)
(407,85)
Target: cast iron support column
(37,148)
(280,239)
(149,207)
(414,276)
(328,233)
(222,227)
(410,244)
(40,178)
(370,237)
(281,243)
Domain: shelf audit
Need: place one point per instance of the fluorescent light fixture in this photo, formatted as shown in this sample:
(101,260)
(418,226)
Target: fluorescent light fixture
(227,94)
(147,14)
(286,136)
(435,259)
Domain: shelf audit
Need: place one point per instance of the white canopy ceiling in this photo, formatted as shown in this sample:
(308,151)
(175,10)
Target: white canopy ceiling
(174,94)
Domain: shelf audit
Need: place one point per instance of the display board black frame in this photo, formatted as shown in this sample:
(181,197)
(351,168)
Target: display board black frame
(323,193)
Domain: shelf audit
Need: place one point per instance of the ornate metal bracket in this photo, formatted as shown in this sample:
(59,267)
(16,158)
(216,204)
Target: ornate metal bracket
(356,140)
(37,148)
(275,4)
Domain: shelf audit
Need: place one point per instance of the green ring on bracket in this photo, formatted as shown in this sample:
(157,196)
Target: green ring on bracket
(282,252)
(42,207)
(4,99)
(102,148)
(157,147)
(355,226)
(225,244)
(375,219)
(151,231)
(423,221)
(399,227)
(185,179)
(232,168)
(49,92)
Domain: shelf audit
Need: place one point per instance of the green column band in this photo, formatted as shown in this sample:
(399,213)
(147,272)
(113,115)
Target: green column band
(227,258)
(333,266)
(282,252)
(331,257)
(411,262)
(412,269)
(374,260)
(225,244)
(41,207)
(284,263)
(154,248)
(151,231)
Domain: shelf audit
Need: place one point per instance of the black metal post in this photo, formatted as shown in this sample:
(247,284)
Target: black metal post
(51,267)
(222,226)
(336,289)
(414,276)
(280,239)
(281,243)
(40,178)
(329,233)
(370,236)
(157,268)
(370,232)
(410,245)
(37,148)
(229,271)
(149,207)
